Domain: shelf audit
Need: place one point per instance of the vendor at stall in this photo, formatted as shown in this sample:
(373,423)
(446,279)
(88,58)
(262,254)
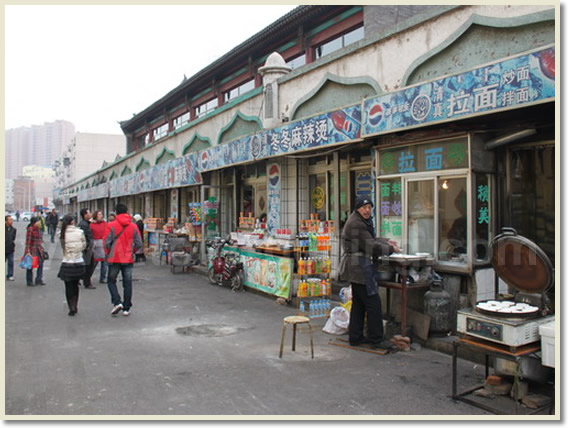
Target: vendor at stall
(360,247)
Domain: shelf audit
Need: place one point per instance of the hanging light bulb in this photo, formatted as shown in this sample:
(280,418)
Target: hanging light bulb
(445,185)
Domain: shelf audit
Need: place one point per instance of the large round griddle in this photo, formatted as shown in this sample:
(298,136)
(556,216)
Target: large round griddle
(523,265)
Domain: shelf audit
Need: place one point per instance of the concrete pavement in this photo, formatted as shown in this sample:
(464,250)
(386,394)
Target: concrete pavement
(190,348)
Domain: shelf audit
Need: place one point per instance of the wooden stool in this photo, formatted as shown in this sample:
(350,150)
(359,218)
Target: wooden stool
(295,320)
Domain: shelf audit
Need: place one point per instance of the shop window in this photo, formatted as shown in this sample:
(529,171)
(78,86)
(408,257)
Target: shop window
(420,219)
(430,203)
(339,42)
(160,132)
(452,219)
(181,120)
(297,62)
(532,197)
(239,90)
(318,195)
(207,107)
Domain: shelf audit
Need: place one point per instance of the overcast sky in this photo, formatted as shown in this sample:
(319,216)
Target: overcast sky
(97,65)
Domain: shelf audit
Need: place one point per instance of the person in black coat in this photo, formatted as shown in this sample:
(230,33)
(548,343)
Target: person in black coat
(10,238)
(360,247)
(90,265)
(51,221)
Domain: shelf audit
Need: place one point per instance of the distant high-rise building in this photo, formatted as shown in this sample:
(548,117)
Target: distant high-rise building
(86,153)
(37,145)
(9,201)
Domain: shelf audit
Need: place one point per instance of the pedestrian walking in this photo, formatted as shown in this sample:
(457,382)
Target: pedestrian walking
(98,229)
(140,257)
(52,220)
(34,248)
(41,218)
(10,238)
(122,240)
(85,225)
(18,215)
(72,268)
(111,217)
(360,247)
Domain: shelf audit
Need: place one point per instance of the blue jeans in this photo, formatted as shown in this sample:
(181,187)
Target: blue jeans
(10,260)
(104,269)
(113,270)
(39,274)
(52,228)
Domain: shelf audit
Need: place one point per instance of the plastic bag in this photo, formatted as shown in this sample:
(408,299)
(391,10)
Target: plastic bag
(340,317)
(331,328)
(26,262)
(345,294)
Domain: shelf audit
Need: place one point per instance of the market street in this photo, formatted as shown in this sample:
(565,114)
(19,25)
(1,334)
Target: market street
(227,364)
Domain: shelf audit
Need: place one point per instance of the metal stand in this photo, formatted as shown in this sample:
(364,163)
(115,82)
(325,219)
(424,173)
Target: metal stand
(493,351)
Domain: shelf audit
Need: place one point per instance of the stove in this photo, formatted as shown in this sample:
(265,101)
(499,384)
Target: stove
(512,332)
(528,271)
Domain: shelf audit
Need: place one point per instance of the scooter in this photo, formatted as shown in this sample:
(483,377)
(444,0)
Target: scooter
(225,269)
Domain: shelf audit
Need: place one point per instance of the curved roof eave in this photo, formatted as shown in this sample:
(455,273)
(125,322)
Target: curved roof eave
(303,11)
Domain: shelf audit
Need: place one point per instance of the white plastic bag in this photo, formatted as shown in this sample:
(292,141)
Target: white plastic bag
(338,321)
(331,328)
(340,317)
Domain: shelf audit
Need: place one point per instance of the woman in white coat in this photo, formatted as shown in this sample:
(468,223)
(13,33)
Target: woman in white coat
(72,267)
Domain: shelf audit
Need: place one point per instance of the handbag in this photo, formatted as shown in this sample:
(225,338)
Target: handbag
(45,255)
(35,262)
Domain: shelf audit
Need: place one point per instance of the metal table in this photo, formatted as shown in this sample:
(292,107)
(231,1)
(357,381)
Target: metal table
(496,351)
(403,263)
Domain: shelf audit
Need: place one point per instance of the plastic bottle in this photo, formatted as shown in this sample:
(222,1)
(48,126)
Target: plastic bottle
(302,308)
(301,267)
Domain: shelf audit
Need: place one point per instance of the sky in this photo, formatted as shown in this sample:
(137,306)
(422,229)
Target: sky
(97,65)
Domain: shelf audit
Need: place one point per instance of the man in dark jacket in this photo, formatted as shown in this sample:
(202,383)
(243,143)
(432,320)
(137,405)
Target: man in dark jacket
(85,225)
(51,221)
(360,246)
(121,241)
(10,238)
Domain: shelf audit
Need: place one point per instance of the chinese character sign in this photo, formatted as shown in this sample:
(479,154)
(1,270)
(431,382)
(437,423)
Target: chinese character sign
(330,128)
(274,180)
(390,209)
(504,85)
(451,154)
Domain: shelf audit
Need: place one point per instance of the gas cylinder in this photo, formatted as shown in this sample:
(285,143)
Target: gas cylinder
(437,302)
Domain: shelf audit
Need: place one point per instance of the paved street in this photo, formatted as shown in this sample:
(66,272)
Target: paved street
(225,364)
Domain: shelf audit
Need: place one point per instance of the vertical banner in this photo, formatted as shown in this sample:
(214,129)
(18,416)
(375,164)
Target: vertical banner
(174,194)
(274,184)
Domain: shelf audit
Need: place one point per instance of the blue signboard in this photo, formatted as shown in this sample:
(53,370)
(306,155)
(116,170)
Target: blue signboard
(330,128)
(504,85)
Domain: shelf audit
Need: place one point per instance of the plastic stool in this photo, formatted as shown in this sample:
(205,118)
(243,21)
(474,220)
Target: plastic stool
(295,320)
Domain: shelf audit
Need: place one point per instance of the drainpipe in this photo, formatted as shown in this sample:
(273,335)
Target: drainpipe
(501,141)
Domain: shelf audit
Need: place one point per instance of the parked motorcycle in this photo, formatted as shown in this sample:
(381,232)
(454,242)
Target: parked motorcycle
(226,269)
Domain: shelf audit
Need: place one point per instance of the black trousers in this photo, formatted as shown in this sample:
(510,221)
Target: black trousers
(72,293)
(363,304)
(89,269)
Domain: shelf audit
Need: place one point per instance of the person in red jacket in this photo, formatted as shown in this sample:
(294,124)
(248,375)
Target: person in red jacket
(34,247)
(98,228)
(122,240)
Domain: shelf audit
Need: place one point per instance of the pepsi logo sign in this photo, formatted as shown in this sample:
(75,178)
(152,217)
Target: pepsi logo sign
(204,159)
(274,174)
(375,114)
